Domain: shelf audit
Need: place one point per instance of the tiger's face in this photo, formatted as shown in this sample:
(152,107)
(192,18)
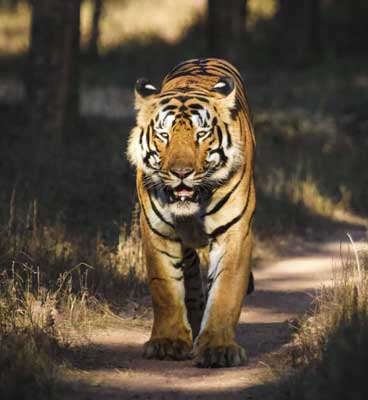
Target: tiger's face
(186,145)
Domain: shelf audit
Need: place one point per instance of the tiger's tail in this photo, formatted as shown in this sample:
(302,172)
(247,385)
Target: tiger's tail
(194,293)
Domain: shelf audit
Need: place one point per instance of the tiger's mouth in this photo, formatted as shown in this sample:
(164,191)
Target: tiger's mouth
(183,193)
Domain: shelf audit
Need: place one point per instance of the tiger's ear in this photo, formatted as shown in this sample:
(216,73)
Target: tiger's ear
(144,89)
(227,99)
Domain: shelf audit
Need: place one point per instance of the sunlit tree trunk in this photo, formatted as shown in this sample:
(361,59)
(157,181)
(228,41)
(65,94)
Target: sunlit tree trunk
(226,28)
(52,75)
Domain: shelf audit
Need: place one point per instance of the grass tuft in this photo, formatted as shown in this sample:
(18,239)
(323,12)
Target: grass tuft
(330,348)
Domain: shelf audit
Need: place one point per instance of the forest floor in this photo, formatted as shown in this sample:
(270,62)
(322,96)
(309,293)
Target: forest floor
(110,365)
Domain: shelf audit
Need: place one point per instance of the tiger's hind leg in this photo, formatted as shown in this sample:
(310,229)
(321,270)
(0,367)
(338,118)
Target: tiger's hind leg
(194,294)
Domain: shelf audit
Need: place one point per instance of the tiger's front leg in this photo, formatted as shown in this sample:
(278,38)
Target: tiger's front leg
(228,279)
(171,336)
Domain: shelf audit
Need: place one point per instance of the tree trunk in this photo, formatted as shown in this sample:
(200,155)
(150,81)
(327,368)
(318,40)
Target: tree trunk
(95,29)
(52,81)
(10,4)
(299,38)
(226,28)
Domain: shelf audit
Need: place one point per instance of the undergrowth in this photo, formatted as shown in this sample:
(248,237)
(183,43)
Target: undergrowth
(330,348)
(53,288)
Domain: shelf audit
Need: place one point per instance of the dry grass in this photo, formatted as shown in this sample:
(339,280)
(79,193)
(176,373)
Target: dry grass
(52,291)
(330,348)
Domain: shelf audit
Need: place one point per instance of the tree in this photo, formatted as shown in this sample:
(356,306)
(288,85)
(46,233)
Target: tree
(9,4)
(299,38)
(226,28)
(95,29)
(52,75)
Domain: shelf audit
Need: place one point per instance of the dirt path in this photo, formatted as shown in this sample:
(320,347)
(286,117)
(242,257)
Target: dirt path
(112,367)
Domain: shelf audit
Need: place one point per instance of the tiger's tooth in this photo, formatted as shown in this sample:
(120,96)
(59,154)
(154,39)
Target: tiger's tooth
(182,198)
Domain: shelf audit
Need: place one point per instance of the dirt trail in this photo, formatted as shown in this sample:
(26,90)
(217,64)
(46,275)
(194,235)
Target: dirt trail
(112,367)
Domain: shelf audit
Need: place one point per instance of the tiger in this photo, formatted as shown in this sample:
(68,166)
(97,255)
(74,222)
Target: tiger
(193,148)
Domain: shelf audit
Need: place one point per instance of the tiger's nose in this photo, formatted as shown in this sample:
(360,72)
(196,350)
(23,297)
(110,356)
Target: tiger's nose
(181,172)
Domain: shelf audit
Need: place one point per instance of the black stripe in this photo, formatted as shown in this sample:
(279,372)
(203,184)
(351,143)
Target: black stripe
(141,137)
(249,225)
(181,65)
(166,253)
(148,137)
(173,94)
(214,271)
(221,202)
(218,274)
(220,152)
(170,93)
(164,101)
(219,134)
(157,212)
(178,75)
(235,111)
(150,225)
(178,265)
(167,115)
(181,98)
(169,107)
(188,68)
(200,98)
(220,68)
(148,156)
(196,106)
(228,136)
(223,228)
(250,288)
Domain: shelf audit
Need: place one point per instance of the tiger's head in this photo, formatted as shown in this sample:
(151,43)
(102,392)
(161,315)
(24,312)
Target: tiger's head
(187,141)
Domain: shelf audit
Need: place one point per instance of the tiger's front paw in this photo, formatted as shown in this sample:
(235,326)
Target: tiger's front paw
(166,349)
(222,356)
